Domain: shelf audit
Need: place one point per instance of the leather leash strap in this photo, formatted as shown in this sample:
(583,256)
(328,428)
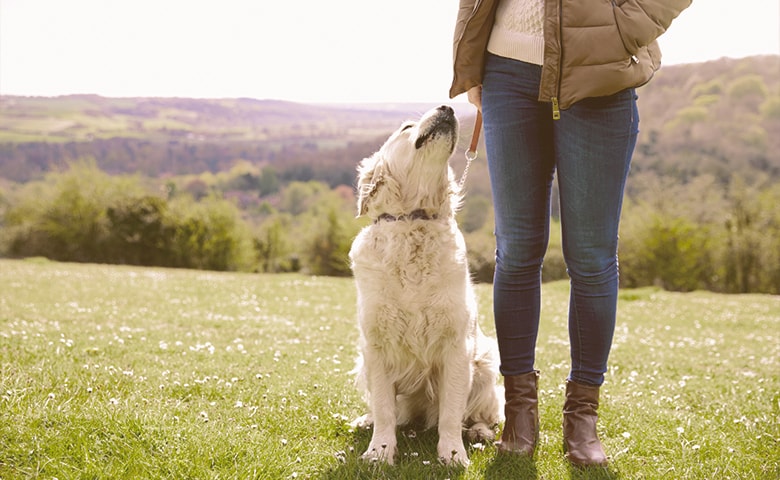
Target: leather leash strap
(471,153)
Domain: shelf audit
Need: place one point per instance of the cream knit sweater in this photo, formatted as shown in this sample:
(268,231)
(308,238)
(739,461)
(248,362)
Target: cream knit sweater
(518,31)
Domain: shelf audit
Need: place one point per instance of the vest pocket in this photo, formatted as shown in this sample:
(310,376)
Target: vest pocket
(629,44)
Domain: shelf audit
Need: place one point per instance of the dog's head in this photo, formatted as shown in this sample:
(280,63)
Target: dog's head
(410,172)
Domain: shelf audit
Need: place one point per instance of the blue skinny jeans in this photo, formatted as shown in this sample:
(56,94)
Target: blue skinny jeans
(590,148)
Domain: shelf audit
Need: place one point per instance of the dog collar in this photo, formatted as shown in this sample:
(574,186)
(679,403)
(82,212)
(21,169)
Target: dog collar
(418,214)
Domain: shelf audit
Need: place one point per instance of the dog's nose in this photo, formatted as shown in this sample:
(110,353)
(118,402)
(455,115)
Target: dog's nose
(445,109)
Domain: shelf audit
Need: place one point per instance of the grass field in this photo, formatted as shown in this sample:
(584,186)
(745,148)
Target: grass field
(118,372)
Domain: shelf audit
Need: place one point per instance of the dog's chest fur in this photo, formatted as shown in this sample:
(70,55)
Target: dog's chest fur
(409,253)
(415,275)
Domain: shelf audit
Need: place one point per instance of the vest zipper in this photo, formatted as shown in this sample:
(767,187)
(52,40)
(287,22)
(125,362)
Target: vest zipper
(555,110)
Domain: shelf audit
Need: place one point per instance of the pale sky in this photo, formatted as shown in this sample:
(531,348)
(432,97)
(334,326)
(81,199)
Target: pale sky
(302,50)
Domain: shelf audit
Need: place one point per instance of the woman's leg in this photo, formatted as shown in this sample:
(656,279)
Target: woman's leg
(594,142)
(518,138)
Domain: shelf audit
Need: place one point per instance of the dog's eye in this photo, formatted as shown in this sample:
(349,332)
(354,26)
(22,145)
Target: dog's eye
(407,126)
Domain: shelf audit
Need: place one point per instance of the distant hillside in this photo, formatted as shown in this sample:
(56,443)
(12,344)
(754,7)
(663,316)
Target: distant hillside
(80,118)
(713,118)
(155,136)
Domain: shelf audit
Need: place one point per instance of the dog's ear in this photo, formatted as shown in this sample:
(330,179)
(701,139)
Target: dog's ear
(363,196)
(369,178)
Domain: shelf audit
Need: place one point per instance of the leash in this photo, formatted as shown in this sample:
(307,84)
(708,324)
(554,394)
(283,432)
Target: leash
(471,153)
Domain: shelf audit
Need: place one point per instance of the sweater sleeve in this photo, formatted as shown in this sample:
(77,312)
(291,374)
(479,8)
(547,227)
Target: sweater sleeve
(642,21)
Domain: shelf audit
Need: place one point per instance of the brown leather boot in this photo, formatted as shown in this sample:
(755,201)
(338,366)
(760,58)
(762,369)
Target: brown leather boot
(580,440)
(521,429)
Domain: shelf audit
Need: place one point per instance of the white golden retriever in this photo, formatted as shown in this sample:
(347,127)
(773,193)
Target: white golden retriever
(423,355)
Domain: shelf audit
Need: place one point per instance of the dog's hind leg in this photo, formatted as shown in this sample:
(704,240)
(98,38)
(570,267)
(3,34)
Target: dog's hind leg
(485,403)
(480,432)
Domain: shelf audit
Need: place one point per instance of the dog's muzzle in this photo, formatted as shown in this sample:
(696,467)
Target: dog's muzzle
(442,121)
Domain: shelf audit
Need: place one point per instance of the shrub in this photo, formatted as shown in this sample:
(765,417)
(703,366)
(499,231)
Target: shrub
(328,252)
(666,251)
(272,245)
(209,235)
(86,215)
(138,233)
(481,251)
(750,252)
(64,218)
(702,236)
(473,215)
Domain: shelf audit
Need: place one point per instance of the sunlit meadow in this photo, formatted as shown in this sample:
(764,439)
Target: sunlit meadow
(122,372)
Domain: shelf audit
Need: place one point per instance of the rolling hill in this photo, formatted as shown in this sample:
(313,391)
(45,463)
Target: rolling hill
(712,118)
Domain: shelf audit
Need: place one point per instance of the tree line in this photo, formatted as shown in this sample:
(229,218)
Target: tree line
(687,237)
(86,215)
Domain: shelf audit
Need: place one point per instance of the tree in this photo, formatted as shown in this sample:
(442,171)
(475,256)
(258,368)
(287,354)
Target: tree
(328,253)
(210,235)
(64,217)
(269,181)
(751,253)
(669,252)
(273,245)
(138,231)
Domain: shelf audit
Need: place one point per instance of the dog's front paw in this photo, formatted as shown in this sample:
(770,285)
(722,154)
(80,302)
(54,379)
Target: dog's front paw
(453,453)
(383,452)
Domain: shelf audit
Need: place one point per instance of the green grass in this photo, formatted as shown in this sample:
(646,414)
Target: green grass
(120,372)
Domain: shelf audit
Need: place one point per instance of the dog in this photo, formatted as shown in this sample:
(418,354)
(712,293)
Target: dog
(423,357)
